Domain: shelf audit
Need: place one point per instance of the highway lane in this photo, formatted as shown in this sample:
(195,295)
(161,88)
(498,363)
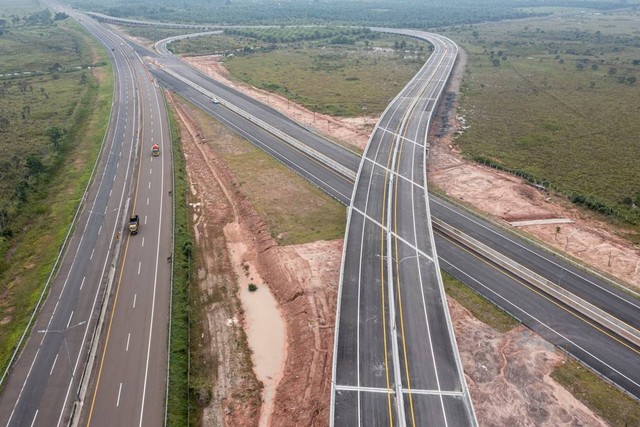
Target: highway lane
(130,381)
(43,384)
(394,337)
(611,366)
(315,172)
(588,285)
(599,350)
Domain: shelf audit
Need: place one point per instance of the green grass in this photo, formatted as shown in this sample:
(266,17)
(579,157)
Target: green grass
(615,407)
(538,113)
(478,305)
(274,189)
(336,79)
(179,402)
(29,253)
(155,34)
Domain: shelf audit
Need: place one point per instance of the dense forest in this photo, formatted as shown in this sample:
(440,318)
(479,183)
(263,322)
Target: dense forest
(356,12)
(388,13)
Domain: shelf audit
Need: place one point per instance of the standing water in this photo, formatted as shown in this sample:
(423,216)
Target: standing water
(264,325)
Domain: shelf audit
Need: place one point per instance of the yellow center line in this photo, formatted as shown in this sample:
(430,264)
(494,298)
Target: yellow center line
(395,239)
(115,301)
(384,315)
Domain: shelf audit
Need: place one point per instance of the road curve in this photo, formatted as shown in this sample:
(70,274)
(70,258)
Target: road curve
(395,357)
(44,383)
(607,355)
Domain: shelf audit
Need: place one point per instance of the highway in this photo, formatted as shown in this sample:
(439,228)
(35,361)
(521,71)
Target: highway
(129,382)
(44,382)
(131,369)
(395,357)
(44,386)
(609,356)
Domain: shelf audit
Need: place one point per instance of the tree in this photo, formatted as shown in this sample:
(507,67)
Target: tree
(631,79)
(34,166)
(55,135)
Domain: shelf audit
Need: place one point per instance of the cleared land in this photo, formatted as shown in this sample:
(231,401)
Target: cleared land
(42,185)
(556,99)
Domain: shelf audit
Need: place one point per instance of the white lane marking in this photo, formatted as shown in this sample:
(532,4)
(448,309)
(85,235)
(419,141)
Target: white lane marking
(139,265)
(34,418)
(143,242)
(147,201)
(149,185)
(145,220)
(155,279)
(540,322)
(24,384)
(81,284)
(99,230)
(119,392)
(92,251)
(118,165)
(135,296)
(128,339)
(69,321)
(54,364)
(150,171)
(110,191)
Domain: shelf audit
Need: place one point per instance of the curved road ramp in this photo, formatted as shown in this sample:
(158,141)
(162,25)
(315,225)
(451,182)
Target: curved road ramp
(395,358)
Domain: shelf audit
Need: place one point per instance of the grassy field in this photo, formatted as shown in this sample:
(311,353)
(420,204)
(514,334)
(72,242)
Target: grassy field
(275,190)
(155,34)
(36,218)
(557,99)
(479,306)
(337,79)
(615,407)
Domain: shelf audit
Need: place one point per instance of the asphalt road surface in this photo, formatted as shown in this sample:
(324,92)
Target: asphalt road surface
(44,383)
(396,361)
(129,383)
(611,357)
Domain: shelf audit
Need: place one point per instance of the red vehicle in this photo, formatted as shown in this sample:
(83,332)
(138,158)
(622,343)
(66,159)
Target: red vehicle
(155,150)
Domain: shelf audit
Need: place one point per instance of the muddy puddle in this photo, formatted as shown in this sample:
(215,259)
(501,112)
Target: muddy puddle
(264,325)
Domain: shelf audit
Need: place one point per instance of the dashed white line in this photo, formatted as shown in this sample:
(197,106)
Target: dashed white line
(82,282)
(147,201)
(135,296)
(110,191)
(143,242)
(91,257)
(119,392)
(99,230)
(128,339)
(34,418)
(69,321)
(54,364)
(145,220)
(149,185)
(139,266)
(150,171)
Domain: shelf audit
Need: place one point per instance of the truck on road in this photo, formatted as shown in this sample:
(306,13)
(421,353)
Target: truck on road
(155,150)
(134,223)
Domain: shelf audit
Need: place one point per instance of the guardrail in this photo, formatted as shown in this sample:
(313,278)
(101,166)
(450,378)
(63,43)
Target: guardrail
(343,170)
(594,313)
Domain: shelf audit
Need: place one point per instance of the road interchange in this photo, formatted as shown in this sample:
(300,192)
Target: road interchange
(328,182)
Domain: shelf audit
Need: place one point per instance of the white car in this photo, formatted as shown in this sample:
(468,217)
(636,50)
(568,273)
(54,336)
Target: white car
(215,101)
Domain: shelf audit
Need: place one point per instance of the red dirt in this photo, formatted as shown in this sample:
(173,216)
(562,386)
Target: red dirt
(508,373)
